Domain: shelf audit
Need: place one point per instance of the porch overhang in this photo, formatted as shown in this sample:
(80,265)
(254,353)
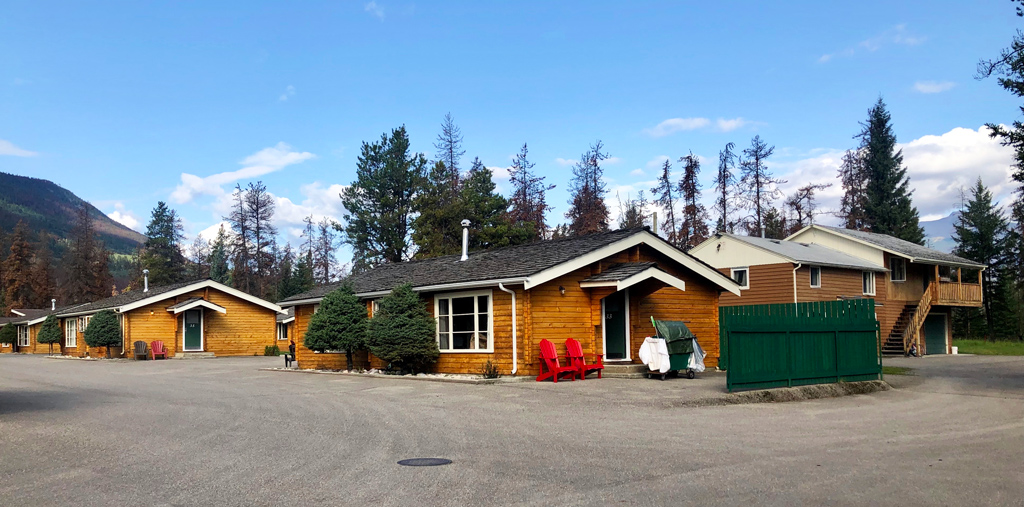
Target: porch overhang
(628,280)
(195,303)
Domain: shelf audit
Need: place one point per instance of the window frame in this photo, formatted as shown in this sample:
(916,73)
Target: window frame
(892,270)
(475,294)
(867,276)
(732,274)
(23,336)
(71,332)
(281,326)
(83,322)
(811,271)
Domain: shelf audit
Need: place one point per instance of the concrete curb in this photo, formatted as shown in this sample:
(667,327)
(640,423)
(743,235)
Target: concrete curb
(482,381)
(787,394)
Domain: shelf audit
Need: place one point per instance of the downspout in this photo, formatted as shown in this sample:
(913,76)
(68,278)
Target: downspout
(795,300)
(515,347)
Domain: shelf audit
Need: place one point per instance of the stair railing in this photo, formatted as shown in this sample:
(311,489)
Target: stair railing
(913,334)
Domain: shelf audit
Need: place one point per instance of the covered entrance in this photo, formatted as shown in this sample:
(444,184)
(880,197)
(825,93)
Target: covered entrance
(616,333)
(193,331)
(934,331)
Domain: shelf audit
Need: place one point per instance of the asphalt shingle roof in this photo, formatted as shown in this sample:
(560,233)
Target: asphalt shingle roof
(32,313)
(620,272)
(917,252)
(290,312)
(126,298)
(809,253)
(500,263)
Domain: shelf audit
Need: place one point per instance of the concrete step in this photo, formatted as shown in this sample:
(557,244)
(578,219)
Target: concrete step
(624,370)
(194,355)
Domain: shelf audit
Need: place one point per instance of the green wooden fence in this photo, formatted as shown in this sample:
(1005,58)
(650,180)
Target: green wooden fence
(785,345)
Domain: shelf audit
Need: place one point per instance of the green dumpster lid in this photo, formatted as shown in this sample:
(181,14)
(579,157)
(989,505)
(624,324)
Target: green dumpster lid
(672,330)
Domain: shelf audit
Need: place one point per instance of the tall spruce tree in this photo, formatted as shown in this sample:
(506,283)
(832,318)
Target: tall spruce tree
(240,248)
(162,253)
(44,283)
(379,204)
(325,259)
(725,189)
(981,234)
(450,152)
(666,200)
(440,211)
(694,227)
(758,186)
(49,333)
(588,213)
(219,270)
(528,205)
(887,204)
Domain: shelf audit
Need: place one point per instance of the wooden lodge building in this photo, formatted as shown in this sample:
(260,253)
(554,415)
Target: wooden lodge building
(914,287)
(601,289)
(201,318)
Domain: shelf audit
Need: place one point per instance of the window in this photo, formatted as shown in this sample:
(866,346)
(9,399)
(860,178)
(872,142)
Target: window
(83,322)
(869,283)
(816,277)
(282,331)
(742,277)
(374,307)
(70,332)
(464,322)
(897,269)
(316,308)
(23,336)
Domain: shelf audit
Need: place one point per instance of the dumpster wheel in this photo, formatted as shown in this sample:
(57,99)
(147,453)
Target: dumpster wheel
(690,374)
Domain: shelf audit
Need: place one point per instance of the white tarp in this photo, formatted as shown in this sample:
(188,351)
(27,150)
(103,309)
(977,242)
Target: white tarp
(654,353)
(697,358)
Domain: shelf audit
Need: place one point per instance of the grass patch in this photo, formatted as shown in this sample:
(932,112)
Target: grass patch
(897,370)
(982,347)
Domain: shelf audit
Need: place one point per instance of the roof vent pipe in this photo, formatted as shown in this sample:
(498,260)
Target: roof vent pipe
(465,239)
(145,280)
(53,304)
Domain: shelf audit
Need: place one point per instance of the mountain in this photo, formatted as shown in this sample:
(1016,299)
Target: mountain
(45,206)
(938,234)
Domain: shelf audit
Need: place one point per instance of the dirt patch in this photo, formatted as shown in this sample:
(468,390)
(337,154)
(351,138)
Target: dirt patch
(786,394)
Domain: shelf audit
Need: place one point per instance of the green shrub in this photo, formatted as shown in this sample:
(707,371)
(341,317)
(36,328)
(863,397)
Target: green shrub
(272,350)
(49,332)
(402,332)
(104,331)
(339,325)
(490,370)
(8,334)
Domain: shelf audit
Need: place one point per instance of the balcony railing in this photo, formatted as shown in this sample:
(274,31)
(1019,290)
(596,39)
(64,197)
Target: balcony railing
(956,294)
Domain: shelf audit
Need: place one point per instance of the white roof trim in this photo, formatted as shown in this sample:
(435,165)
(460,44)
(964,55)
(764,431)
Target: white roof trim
(16,312)
(199,302)
(285,321)
(423,288)
(644,237)
(201,285)
(651,272)
(851,238)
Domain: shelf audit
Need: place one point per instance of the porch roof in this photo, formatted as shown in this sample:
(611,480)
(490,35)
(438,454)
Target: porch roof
(622,276)
(191,303)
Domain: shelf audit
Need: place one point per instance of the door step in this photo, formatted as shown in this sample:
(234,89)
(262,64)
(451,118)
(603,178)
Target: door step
(625,370)
(194,355)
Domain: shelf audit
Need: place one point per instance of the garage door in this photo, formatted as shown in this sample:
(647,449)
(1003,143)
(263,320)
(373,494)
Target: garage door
(935,334)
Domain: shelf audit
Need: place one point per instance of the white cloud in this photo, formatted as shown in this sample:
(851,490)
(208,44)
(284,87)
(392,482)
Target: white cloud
(895,35)
(318,200)
(657,162)
(499,173)
(729,125)
(375,10)
(637,172)
(933,86)
(125,219)
(210,233)
(289,91)
(673,125)
(8,148)
(265,161)
(565,161)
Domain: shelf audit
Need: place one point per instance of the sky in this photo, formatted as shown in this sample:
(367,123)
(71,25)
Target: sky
(130,103)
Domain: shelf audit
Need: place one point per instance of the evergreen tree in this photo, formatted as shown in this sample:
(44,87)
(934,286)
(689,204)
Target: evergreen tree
(694,228)
(634,214)
(402,333)
(240,248)
(288,282)
(485,208)
(887,204)
(450,152)
(198,262)
(162,254)
(588,213)
(528,204)
(664,198)
(725,189)
(104,330)
(88,263)
(219,270)
(19,291)
(259,206)
(802,206)
(854,178)
(8,334)
(379,210)
(49,333)
(44,283)
(304,274)
(775,226)
(757,185)
(341,324)
(325,261)
(981,235)
(440,211)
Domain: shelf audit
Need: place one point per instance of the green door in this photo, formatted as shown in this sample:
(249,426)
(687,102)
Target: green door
(193,330)
(934,331)
(615,326)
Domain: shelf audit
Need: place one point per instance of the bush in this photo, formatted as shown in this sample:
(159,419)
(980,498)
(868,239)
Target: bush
(402,332)
(49,332)
(490,370)
(339,325)
(104,331)
(8,334)
(271,350)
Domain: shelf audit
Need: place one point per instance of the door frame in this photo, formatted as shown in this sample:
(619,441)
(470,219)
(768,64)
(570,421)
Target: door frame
(202,331)
(946,334)
(604,327)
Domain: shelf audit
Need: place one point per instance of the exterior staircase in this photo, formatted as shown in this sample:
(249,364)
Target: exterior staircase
(893,345)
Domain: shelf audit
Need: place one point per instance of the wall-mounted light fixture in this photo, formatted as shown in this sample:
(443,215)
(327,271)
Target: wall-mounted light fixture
(561,289)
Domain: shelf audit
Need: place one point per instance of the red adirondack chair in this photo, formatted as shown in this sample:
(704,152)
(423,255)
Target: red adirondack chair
(157,349)
(578,360)
(549,362)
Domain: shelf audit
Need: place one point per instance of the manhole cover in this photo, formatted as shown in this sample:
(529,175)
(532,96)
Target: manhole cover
(424,462)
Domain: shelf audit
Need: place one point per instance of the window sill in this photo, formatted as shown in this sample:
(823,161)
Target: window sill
(467,351)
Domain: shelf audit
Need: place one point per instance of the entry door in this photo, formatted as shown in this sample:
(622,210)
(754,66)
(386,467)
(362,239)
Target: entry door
(193,330)
(615,326)
(934,330)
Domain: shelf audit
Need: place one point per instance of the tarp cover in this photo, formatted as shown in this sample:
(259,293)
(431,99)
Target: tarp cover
(678,337)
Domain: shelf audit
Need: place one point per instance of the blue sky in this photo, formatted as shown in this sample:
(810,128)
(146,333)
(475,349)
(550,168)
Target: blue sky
(128,103)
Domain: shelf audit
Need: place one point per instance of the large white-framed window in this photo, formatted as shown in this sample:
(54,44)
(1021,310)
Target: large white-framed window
(869,283)
(464,321)
(23,336)
(741,276)
(70,332)
(897,269)
(815,277)
(282,331)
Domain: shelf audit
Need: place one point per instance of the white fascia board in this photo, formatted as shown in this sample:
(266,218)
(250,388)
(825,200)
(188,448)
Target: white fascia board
(643,237)
(646,274)
(422,288)
(850,238)
(203,303)
(286,321)
(201,285)
(16,312)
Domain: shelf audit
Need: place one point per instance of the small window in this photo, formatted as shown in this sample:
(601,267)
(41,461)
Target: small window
(70,333)
(869,283)
(316,308)
(282,331)
(83,322)
(374,307)
(816,277)
(897,269)
(742,277)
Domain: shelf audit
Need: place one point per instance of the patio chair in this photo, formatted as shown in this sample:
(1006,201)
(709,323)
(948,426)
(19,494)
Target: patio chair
(549,361)
(140,350)
(577,359)
(157,349)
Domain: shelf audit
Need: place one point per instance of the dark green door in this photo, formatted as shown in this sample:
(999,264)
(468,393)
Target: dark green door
(615,326)
(934,331)
(193,330)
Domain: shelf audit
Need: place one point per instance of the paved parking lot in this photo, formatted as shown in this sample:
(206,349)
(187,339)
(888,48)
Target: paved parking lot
(221,432)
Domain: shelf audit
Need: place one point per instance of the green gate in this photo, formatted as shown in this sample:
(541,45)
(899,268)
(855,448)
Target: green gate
(785,345)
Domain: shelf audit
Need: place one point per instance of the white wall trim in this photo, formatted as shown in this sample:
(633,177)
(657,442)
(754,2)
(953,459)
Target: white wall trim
(200,303)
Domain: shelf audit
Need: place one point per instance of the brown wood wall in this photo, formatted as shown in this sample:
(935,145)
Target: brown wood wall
(769,284)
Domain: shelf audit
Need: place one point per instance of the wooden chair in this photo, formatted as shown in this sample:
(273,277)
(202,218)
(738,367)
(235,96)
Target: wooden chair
(549,362)
(157,349)
(140,350)
(577,359)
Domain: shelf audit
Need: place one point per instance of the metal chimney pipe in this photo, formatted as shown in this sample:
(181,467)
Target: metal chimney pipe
(145,280)
(53,304)
(465,240)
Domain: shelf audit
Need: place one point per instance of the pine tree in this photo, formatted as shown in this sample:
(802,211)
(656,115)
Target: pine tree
(259,206)
(440,211)
(528,204)
(485,208)
(240,248)
(757,185)
(775,225)
(49,333)
(694,227)
(402,333)
(981,235)
(288,283)
(854,178)
(341,324)
(725,189)
(104,330)
(588,213)
(8,334)
(325,261)
(19,291)
(304,274)
(379,210)
(664,198)
(802,206)
(634,214)
(198,262)
(44,283)
(162,254)
(887,203)
(450,152)
(87,263)
(220,272)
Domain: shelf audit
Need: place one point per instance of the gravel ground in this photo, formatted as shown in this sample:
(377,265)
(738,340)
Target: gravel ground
(222,432)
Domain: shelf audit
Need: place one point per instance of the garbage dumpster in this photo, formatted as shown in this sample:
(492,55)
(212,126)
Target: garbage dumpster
(684,353)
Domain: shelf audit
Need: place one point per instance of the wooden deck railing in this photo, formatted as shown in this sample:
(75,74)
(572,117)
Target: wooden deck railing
(957,294)
(913,333)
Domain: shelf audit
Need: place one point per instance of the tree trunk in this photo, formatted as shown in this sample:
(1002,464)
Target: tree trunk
(348,359)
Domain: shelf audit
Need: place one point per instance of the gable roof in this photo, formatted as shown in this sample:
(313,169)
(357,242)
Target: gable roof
(530,264)
(30,313)
(137,298)
(807,253)
(620,271)
(912,251)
